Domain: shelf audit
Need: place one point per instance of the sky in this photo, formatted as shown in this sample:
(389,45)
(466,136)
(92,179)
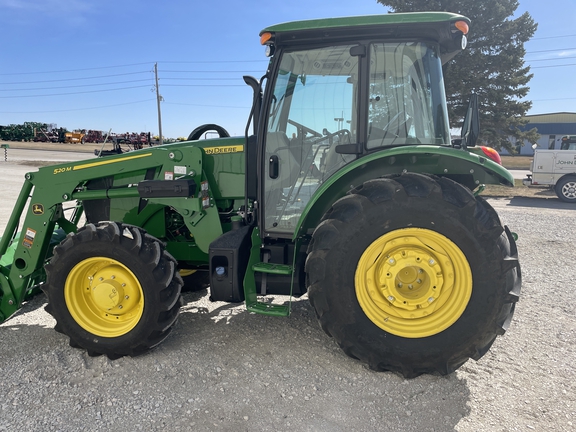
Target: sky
(89,64)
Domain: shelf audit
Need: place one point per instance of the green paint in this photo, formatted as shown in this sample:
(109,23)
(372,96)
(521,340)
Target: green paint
(413,18)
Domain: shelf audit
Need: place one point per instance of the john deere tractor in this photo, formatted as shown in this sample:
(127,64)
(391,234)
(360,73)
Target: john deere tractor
(347,187)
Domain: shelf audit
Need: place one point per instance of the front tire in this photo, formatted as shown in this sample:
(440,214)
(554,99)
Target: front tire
(413,274)
(566,189)
(113,289)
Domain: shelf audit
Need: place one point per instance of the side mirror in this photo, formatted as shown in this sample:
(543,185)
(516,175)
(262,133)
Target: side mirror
(257,100)
(471,126)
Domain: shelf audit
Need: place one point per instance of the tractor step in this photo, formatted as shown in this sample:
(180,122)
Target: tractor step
(271,268)
(257,266)
(263,308)
(269,308)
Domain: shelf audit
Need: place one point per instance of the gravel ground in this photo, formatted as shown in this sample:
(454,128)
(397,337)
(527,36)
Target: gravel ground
(225,369)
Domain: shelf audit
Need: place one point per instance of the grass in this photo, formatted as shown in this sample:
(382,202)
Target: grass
(517,162)
(519,190)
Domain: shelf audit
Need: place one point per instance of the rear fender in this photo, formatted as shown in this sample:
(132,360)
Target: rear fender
(469,169)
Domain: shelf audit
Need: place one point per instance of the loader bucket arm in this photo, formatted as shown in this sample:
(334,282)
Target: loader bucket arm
(45,193)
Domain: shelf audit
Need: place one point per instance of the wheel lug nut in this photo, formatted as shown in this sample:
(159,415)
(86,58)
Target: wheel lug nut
(419,281)
(400,285)
(112,277)
(119,306)
(391,298)
(101,279)
(392,261)
(410,286)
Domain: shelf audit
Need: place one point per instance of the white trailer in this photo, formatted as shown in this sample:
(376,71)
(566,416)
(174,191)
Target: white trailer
(556,168)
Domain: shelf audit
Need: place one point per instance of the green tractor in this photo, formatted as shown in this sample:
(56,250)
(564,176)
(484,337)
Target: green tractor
(349,190)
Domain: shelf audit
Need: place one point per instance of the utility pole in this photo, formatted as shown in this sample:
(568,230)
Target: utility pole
(158,99)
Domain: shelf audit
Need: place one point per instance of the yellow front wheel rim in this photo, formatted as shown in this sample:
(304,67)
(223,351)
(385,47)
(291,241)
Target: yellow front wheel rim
(413,282)
(104,297)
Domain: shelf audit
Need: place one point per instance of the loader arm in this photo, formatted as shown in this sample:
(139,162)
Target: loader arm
(53,198)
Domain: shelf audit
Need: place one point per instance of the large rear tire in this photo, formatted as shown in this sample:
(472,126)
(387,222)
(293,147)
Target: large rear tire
(113,289)
(413,274)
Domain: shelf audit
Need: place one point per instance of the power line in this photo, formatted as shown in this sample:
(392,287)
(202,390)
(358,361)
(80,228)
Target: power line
(544,100)
(206,106)
(552,66)
(74,70)
(136,64)
(217,61)
(75,86)
(74,93)
(553,37)
(75,109)
(200,79)
(546,59)
(203,85)
(550,50)
(211,71)
(74,79)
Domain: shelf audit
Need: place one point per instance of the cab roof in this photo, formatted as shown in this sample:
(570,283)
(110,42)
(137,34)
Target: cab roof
(436,26)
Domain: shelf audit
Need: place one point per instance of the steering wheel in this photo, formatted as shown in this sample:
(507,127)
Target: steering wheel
(342,134)
(303,128)
(201,130)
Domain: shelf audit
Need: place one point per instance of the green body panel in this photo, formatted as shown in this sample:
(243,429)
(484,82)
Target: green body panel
(366,20)
(460,165)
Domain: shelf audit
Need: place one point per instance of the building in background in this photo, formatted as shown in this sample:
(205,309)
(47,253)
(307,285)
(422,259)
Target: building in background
(551,127)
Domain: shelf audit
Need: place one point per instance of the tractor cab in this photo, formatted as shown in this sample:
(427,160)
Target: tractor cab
(352,92)
(331,105)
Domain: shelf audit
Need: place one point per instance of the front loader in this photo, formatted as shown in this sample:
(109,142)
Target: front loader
(348,189)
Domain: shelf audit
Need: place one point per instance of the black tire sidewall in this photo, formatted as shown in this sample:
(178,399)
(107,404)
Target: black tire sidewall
(462,229)
(142,271)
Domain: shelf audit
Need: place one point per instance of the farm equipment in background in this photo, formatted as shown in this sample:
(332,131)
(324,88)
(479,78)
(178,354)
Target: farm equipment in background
(46,135)
(42,132)
(32,131)
(74,138)
(94,136)
(14,132)
(349,189)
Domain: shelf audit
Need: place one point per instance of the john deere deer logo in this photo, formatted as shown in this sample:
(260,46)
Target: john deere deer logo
(37,209)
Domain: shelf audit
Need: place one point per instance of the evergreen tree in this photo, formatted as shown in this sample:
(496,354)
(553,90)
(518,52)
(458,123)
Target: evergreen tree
(492,66)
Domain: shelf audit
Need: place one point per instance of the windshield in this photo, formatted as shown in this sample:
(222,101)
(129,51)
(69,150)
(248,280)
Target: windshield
(316,106)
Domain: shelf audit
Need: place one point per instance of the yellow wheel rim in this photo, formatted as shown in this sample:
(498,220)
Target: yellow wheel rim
(413,282)
(104,297)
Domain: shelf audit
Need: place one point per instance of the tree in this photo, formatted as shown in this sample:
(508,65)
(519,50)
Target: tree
(492,66)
